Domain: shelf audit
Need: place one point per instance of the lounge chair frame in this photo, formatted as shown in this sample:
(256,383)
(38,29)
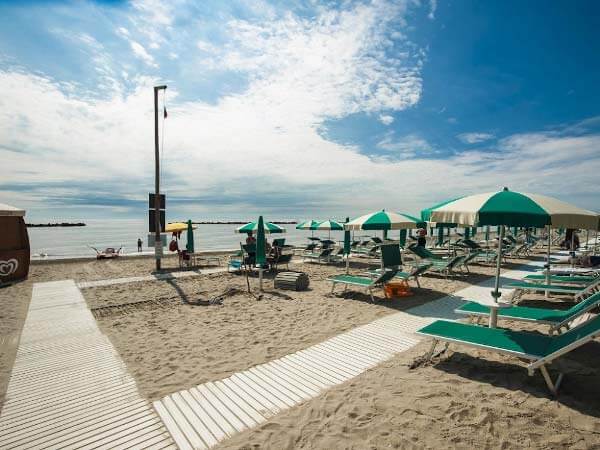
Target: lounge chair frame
(375,283)
(538,362)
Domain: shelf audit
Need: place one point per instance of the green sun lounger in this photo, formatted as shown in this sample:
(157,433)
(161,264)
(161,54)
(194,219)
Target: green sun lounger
(562,279)
(539,350)
(577,291)
(556,318)
(368,283)
(414,274)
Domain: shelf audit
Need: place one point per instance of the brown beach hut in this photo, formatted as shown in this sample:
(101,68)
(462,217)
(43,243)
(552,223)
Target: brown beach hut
(14,245)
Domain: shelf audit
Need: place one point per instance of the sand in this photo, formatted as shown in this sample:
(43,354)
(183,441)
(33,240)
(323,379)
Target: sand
(169,345)
(464,399)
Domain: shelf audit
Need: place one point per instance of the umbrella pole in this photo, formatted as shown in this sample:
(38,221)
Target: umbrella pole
(260,279)
(496,292)
(572,250)
(546,294)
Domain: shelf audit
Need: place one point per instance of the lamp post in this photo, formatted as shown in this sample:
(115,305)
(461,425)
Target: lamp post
(157,227)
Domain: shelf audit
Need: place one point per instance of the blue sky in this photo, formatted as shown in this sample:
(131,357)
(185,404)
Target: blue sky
(295,110)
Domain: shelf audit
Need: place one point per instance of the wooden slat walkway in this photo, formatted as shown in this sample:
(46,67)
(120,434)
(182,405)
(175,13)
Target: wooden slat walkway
(69,387)
(204,415)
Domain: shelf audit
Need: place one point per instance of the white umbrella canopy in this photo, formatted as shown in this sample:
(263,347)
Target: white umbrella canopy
(511,208)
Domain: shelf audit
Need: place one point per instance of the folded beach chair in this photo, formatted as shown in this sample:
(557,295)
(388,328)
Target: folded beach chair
(578,291)
(323,255)
(561,279)
(367,283)
(556,318)
(539,350)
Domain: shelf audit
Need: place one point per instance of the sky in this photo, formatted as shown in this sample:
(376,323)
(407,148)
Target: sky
(295,110)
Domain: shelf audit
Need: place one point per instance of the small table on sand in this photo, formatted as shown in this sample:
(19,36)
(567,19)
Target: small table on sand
(494,307)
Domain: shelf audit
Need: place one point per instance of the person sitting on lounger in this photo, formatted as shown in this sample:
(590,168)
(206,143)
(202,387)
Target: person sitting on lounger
(250,239)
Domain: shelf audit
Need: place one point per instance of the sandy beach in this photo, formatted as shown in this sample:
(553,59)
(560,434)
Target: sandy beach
(171,338)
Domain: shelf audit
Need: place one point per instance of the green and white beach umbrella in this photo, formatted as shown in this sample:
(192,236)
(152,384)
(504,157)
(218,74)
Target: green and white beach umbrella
(307,225)
(384,220)
(328,225)
(252,227)
(515,209)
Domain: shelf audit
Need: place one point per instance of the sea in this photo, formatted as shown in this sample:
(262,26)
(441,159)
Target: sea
(76,242)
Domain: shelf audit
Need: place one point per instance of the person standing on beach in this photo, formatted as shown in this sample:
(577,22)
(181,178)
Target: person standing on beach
(139,244)
(422,241)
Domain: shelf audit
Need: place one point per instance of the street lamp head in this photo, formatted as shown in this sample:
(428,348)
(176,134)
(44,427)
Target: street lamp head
(158,88)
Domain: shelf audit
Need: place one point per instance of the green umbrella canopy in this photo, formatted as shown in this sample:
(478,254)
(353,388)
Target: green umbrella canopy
(190,237)
(328,225)
(513,209)
(260,242)
(252,227)
(307,225)
(384,220)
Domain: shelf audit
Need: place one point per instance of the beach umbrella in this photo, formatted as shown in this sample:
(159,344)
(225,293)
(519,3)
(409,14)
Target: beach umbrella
(190,237)
(307,225)
(402,238)
(384,220)
(347,246)
(260,249)
(508,208)
(328,225)
(177,227)
(252,227)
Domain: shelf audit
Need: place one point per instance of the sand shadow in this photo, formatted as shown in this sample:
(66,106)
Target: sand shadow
(579,389)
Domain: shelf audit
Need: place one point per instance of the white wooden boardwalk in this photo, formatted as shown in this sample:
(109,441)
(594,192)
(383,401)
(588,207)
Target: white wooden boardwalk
(69,387)
(204,415)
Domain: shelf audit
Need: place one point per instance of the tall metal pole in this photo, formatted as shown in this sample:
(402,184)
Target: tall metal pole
(157,227)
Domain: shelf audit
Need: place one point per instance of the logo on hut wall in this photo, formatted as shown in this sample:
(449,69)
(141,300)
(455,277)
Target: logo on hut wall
(9,267)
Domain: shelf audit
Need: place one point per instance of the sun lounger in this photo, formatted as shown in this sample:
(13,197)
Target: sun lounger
(539,350)
(577,291)
(556,318)
(446,266)
(414,274)
(561,279)
(323,255)
(366,283)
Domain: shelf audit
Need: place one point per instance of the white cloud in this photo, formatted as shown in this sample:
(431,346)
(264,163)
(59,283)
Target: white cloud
(386,119)
(432,9)
(262,145)
(475,138)
(142,53)
(409,146)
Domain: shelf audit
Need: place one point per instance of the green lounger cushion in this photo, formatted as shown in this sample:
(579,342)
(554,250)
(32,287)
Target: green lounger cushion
(521,343)
(517,312)
(542,287)
(534,314)
(563,279)
(352,279)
